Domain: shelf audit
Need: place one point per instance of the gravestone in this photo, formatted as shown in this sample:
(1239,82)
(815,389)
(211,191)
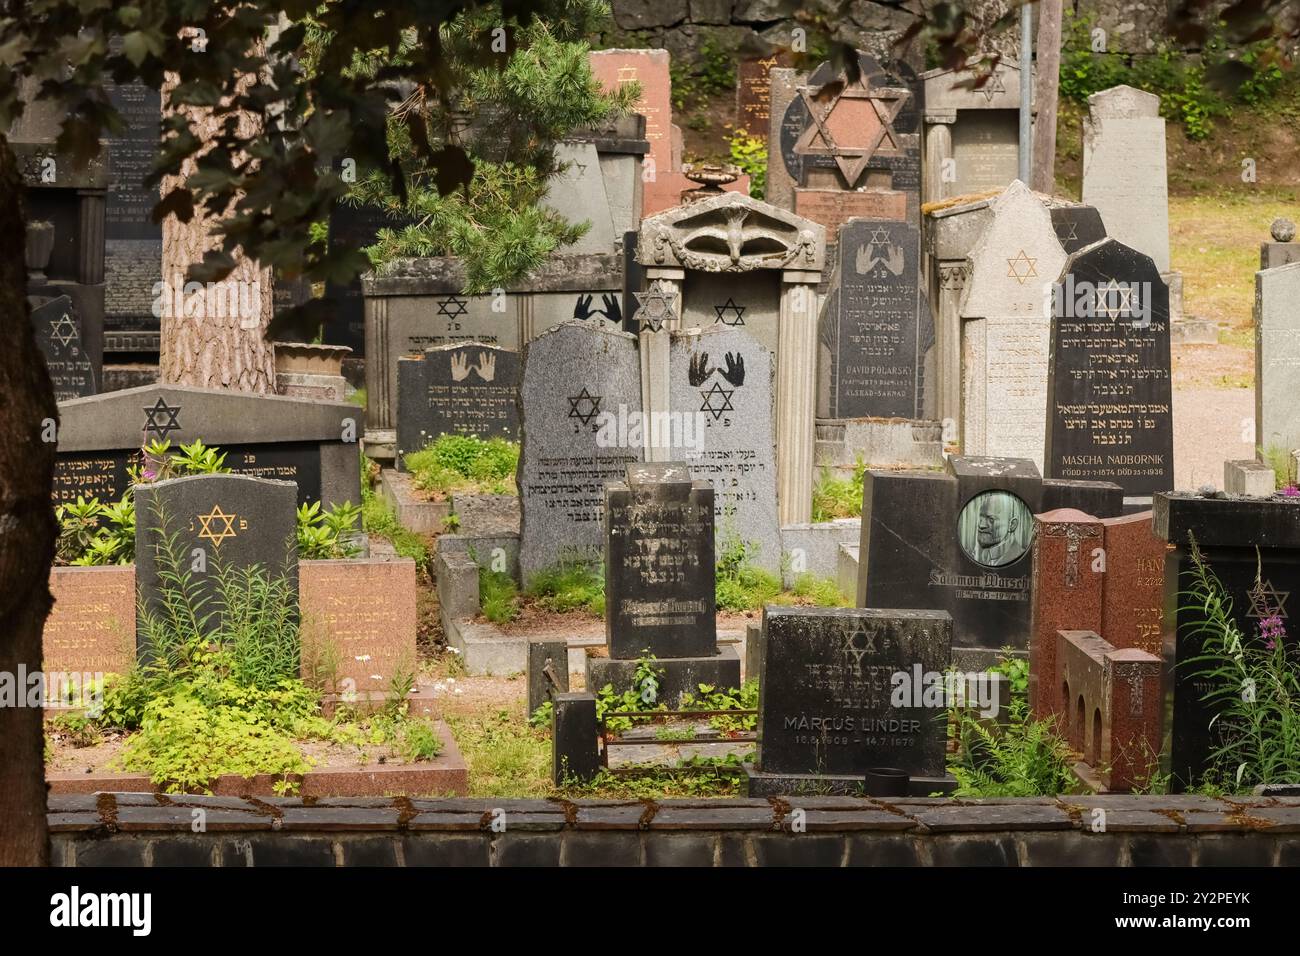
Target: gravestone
(1283,249)
(1077,226)
(972,132)
(577,192)
(871,328)
(1253,547)
(961,542)
(720,381)
(829,704)
(207,524)
(1005,329)
(853,149)
(132,240)
(1277,357)
(578,383)
(313,444)
(1124,169)
(91,627)
(659,560)
(355,225)
(754,93)
(1110,415)
(58,335)
(470,389)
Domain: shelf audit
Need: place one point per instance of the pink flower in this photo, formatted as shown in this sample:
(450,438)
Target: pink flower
(1291,491)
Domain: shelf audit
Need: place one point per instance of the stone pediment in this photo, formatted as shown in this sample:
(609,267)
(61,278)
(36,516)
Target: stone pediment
(731,233)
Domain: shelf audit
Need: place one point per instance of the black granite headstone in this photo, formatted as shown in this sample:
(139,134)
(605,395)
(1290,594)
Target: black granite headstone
(837,691)
(659,564)
(202,524)
(1110,414)
(961,542)
(1077,226)
(1253,547)
(466,389)
(58,334)
(872,322)
(356,226)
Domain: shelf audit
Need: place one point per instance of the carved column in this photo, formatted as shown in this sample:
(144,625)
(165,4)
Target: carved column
(655,383)
(796,395)
(938,149)
(947,332)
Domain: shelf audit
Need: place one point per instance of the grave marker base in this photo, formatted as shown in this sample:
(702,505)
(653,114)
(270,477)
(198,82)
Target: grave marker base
(680,674)
(834,785)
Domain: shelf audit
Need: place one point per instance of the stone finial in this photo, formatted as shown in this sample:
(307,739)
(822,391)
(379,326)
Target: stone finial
(1283,229)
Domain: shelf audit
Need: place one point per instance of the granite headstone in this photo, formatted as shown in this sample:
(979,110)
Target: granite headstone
(469,389)
(58,334)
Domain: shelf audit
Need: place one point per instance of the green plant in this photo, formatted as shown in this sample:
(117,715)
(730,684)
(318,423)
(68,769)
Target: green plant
(327,534)
(1020,758)
(739,584)
(498,596)
(837,497)
(378,519)
(642,696)
(712,698)
(464,463)
(1279,459)
(810,589)
(1253,682)
(569,586)
(542,716)
(91,533)
(749,153)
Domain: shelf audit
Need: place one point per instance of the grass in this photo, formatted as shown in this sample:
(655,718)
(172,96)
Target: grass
(505,757)
(377,518)
(838,497)
(498,596)
(569,587)
(464,463)
(1214,242)
(815,591)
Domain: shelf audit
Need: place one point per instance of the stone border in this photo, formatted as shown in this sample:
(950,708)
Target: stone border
(445,774)
(131,829)
(413,512)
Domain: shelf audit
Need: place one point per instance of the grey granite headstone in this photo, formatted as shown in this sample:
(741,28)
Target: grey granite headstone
(314,444)
(659,564)
(580,397)
(1277,356)
(721,387)
(871,322)
(960,541)
(577,192)
(58,334)
(202,525)
(469,389)
(830,691)
(1125,174)
(1111,411)
(1005,329)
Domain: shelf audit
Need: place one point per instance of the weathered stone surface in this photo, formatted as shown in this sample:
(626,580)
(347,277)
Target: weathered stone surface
(1277,356)
(577,192)
(828,701)
(91,627)
(723,378)
(1005,329)
(577,381)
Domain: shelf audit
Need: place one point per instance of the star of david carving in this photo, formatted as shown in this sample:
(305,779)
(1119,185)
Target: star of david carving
(584,406)
(857,645)
(1106,300)
(993,87)
(717,400)
(1021,268)
(1073,233)
(879,237)
(729,313)
(1266,600)
(879,136)
(214,532)
(162,429)
(655,307)
(63,330)
(453,307)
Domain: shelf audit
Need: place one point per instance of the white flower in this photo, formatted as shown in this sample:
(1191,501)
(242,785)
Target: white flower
(459,691)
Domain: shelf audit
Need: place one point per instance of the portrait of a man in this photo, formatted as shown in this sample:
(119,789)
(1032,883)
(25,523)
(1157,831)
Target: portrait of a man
(995,529)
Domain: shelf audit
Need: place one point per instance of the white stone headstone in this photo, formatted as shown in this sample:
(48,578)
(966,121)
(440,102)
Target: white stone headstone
(577,192)
(1125,172)
(1005,329)
(1277,357)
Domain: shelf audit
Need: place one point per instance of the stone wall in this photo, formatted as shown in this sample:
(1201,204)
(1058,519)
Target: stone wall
(134,829)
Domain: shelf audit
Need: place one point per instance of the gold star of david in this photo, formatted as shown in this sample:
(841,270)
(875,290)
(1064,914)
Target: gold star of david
(1021,268)
(1106,303)
(1266,600)
(63,330)
(878,137)
(218,534)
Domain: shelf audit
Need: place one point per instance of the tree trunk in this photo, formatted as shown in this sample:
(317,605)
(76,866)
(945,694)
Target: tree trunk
(212,337)
(27,534)
(1046,82)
